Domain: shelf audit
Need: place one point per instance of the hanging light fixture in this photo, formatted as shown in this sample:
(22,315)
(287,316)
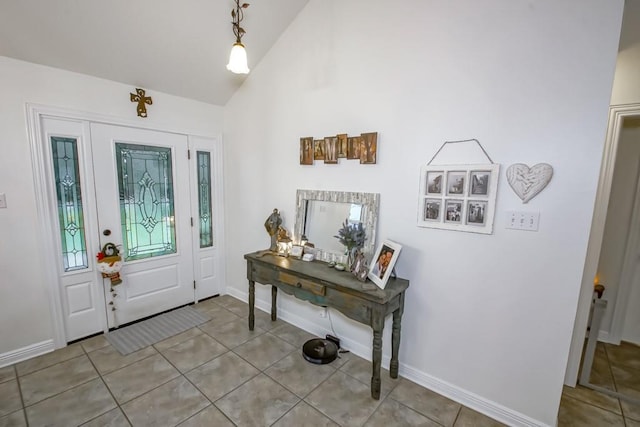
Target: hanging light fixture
(238,57)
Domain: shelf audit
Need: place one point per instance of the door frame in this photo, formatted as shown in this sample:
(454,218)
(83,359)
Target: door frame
(34,114)
(627,272)
(617,114)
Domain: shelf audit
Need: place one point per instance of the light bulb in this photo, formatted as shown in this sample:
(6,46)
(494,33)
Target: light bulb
(238,59)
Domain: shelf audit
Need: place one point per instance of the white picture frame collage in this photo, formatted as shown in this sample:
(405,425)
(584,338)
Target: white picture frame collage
(458,197)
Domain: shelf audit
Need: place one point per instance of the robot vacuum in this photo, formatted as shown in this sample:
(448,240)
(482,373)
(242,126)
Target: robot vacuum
(320,351)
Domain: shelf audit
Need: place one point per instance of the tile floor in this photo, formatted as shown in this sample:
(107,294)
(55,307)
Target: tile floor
(616,368)
(218,374)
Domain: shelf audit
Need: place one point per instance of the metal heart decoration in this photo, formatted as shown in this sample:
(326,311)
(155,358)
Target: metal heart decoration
(528,182)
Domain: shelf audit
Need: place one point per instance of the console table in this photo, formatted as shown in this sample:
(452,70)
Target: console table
(316,283)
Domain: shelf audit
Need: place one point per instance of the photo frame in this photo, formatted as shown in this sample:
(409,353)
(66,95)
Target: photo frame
(360,267)
(306,150)
(297,251)
(384,259)
(458,197)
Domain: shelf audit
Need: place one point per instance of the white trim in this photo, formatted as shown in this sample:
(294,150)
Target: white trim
(27,352)
(627,272)
(68,114)
(218,181)
(462,396)
(469,399)
(617,114)
(45,223)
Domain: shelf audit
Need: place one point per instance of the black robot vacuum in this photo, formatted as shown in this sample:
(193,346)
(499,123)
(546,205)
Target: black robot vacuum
(320,351)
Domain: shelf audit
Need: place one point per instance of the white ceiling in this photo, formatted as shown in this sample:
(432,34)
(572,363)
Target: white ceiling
(180,47)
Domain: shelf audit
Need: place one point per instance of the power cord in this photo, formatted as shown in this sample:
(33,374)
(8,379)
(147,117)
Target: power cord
(340,349)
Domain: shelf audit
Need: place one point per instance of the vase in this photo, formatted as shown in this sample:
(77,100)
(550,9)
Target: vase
(351,257)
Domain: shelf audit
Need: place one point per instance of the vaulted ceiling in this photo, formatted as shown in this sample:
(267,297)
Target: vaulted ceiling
(180,47)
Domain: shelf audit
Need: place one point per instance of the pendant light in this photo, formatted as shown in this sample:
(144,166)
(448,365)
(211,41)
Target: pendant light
(238,57)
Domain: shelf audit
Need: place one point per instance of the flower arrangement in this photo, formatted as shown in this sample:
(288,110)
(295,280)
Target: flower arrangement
(352,236)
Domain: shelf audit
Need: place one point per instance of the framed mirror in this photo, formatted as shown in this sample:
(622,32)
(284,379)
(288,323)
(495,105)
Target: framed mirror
(320,214)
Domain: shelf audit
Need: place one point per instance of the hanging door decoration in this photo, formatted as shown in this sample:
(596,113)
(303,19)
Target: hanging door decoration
(110,263)
(459,197)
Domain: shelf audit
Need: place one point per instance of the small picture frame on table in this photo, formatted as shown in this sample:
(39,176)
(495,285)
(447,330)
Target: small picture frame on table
(384,259)
(297,251)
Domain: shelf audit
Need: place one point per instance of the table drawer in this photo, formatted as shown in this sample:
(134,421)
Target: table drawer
(307,285)
(263,274)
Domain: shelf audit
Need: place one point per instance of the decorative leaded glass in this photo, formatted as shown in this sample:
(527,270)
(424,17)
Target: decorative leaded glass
(64,152)
(204,199)
(145,184)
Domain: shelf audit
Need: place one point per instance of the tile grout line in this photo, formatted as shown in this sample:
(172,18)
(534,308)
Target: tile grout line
(23,408)
(108,390)
(183,375)
(615,385)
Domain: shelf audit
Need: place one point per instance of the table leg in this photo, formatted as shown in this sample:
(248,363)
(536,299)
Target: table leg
(395,338)
(274,310)
(378,326)
(252,301)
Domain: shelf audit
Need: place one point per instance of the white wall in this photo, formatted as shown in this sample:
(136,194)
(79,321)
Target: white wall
(626,85)
(623,190)
(488,318)
(24,309)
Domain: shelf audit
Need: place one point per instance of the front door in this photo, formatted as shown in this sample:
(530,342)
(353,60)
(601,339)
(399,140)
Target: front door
(143,207)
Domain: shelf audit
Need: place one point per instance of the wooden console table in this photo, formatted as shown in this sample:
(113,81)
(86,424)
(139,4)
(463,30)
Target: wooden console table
(327,287)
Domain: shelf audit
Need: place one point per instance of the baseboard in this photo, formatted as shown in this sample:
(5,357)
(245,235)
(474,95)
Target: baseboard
(27,352)
(457,394)
(469,399)
(604,337)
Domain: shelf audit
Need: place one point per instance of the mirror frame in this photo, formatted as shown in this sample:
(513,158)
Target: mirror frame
(370,206)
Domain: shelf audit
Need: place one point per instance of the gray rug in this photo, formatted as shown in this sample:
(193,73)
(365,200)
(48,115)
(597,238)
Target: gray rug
(143,334)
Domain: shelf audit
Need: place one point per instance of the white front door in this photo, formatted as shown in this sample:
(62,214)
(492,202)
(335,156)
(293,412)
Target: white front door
(143,206)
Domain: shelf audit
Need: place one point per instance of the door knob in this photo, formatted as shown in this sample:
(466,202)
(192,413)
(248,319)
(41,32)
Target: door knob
(106,232)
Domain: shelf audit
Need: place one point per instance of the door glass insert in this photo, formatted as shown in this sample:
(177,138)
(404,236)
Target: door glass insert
(204,199)
(64,152)
(145,184)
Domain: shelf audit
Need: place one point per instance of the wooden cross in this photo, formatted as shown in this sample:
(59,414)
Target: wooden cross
(141,99)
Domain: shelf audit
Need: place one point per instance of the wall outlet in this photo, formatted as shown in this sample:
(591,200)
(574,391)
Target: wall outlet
(527,221)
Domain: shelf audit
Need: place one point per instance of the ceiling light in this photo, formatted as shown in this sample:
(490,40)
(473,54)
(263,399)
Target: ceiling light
(238,57)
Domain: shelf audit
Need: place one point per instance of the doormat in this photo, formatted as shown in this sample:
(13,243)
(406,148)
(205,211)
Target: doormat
(151,331)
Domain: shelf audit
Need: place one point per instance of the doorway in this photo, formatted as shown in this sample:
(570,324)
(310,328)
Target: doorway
(617,117)
(139,189)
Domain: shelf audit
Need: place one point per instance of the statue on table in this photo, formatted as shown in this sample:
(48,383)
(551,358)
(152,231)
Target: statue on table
(272,224)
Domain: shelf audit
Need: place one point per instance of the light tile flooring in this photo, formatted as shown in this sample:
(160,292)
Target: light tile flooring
(616,368)
(218,374)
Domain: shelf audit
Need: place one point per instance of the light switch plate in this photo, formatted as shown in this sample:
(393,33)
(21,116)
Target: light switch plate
(527,221)
(3,200)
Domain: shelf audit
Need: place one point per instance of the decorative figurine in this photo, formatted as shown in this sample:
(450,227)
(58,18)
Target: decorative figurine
(272,225)
(110,263)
